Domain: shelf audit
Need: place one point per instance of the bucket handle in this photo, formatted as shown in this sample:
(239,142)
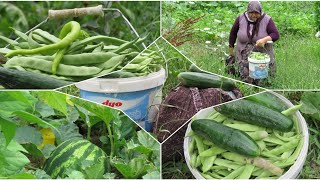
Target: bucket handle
(76,12)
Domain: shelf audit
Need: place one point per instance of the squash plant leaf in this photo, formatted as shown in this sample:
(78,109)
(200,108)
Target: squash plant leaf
(95,171)
(34,119)
(103,112)
(40,174)
(152,175)
(12,160)
(311,104)
(136,168)
(8,129)
(28,134)
(23,96)
(44,109)
(148,141)
(54,99)
(22,176)
(139,148)
(9,104)
(70,131)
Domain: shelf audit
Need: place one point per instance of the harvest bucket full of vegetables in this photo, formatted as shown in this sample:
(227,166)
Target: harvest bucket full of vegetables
(40,60)
(258,65)
(261,136)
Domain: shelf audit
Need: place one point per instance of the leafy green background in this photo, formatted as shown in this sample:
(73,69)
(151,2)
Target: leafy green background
(144,16)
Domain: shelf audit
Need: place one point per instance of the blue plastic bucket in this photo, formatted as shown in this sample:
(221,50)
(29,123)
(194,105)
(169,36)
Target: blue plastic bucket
(138,97)
(258,69)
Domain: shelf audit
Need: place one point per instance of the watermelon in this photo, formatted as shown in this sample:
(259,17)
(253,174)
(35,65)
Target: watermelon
(78,155)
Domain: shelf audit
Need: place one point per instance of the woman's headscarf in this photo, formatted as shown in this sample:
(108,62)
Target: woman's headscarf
(254,6)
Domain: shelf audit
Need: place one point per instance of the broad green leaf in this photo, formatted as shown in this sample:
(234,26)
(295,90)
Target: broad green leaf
(8,129)
(12,161)
(109,176)
(54,99)
(23,96)
(40,174)
(75,175)
(152,175)
(33,150)
(8,105)
(125,170)
(73,114)
(95,171)
(70,131)
(28,134)
(47,150)
(136,168)
(34,119)
(22,176)
(147,140)
(139,148)
(90,120)
(311,104)
(128,127)
(103,112)
(44,110)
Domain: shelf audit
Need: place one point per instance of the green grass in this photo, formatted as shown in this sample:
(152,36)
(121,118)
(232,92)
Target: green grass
(298,62)
(297,58)
(72,90)
(176,170)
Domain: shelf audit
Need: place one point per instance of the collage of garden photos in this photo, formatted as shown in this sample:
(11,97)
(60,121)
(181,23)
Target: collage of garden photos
(159,90)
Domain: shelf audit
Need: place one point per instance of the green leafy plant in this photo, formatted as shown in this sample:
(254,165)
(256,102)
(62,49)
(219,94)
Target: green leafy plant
(33,124)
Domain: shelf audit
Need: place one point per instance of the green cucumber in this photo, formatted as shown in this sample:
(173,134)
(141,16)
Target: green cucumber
(257,114)
(269,100)
(204,80)
(194,68)
(225,137)
(15,79)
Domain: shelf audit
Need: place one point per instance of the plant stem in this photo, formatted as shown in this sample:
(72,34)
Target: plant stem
(89,133)
(111,140)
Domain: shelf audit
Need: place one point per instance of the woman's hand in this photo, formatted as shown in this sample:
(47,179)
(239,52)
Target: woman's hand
(261,42)
(231,53)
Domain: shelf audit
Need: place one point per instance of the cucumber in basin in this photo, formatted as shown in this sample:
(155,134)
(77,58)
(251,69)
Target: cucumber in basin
(205,80)
(255,113)
(269,100)
(225,137)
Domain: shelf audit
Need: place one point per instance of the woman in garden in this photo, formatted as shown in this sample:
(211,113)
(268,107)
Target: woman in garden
(253,29)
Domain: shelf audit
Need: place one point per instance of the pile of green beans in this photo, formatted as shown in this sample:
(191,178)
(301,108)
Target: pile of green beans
(145,63)
(278,152)
(74,55)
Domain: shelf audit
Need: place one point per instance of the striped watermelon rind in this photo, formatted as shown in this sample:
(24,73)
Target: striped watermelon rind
(73,154)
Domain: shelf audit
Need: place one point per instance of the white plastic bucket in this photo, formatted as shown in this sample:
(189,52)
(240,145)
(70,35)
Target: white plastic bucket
(258,69)
(292,172)
(138,97)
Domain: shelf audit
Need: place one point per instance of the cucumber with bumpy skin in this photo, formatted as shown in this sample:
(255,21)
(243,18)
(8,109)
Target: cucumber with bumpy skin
(257,114)
(269,100)
(204,80)
(225,137)
(15,79)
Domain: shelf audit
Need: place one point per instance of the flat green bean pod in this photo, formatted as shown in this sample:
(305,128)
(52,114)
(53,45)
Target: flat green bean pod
(45,66)
(69,33)
(82,59)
